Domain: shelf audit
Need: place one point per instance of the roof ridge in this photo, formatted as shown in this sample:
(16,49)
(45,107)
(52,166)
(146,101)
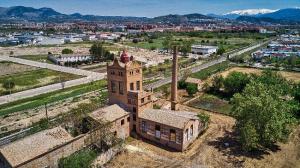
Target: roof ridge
(177,114)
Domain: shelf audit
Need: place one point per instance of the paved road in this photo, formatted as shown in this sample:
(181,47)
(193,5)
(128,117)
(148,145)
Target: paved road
(193,70)
(88,77)
(204,66)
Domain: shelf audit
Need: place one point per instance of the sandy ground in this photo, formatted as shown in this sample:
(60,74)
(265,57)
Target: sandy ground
(12,68)
(209,151)
(289,75)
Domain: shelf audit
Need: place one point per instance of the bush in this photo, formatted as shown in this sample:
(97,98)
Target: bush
(221,51)
(67,51)
(81,159)
(203,117)
(191,89)
(152,48)
(135,41)
(182,84)
(150,41)
(235,82)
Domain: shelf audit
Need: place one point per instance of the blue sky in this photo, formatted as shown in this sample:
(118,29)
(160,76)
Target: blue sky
(151,8)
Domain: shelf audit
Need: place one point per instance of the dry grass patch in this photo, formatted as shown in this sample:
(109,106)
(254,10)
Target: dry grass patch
(295,76)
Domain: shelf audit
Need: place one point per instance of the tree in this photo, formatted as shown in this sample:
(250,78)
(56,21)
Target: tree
(235,82)
(167,43)
(263,116)
(67,51)
(191,89)
(221,50)
(186,46)
(99,53)
(8,84)
(217,83)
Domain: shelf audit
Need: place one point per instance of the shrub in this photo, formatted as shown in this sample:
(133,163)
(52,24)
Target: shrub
(191,89)
(81,159)
(182,84)
(67,51)
(203,117)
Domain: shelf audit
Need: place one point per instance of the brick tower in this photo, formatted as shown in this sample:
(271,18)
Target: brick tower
(125,86)
(174,101)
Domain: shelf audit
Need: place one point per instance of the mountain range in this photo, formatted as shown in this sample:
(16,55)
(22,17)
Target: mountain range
(288,15)
(21,13)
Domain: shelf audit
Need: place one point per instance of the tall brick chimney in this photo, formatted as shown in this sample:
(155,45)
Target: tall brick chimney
(174,103)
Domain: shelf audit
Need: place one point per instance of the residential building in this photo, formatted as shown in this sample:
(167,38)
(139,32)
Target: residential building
(203,50)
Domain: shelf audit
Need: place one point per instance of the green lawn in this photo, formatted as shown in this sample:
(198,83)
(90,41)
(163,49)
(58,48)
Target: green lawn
(205,73)
(36,101)
(33,79)
(212,103)
(166,67)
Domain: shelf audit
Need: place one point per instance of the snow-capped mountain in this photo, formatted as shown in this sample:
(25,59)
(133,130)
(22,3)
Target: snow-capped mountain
(251,12)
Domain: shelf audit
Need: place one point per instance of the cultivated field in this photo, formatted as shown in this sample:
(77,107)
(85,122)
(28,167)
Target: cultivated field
(32,79)
(23,113)
(9,68)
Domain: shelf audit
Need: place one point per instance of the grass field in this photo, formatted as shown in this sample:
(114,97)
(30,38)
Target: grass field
(34,102)
(212,103)
(35,78)
(205,73)
(166,67)
(228,43)
(38,58)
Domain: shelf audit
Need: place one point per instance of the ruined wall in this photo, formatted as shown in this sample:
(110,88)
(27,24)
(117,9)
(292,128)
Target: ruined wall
(122,131)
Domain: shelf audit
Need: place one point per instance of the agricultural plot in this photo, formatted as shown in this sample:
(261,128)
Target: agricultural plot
(32,79)
(212,103)
(9,68)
